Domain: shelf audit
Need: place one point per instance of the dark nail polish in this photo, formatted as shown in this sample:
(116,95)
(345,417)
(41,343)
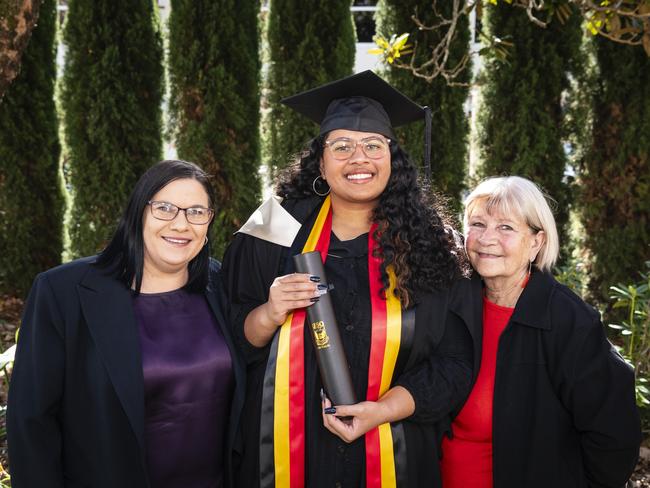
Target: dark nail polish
(314,300)
(330,410)
(315,279)
(323,287)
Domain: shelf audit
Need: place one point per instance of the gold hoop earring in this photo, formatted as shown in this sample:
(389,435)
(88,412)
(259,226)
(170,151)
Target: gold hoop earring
(313,186)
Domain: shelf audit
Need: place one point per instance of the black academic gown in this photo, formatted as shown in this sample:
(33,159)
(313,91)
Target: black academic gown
(436,371)
(75,415)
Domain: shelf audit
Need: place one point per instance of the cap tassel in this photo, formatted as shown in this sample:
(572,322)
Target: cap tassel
(427,144)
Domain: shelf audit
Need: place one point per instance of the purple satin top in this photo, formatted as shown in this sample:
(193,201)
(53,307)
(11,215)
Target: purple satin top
(188,385)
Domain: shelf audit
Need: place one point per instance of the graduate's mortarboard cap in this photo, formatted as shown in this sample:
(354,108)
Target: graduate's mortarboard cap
(362,102)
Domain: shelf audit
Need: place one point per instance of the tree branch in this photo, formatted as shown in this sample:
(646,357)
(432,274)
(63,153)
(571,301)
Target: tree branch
(620,22)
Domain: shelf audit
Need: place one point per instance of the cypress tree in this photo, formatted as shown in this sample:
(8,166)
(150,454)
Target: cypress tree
(31,194)
(450,127)
(522,116)
(311,42)
(615,175)
(215,105)
(111,96)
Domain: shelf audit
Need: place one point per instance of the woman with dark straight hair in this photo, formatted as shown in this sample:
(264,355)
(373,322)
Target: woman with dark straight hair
(125,251)
(125,372)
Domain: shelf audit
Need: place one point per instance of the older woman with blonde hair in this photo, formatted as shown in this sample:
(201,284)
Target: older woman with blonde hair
(552,404)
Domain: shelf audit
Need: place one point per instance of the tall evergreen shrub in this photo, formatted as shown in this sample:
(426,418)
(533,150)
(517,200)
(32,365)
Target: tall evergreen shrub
(311,42)
(214,74)
(615,175)
(522,115)
(111,96)
(450,126)
(31,195)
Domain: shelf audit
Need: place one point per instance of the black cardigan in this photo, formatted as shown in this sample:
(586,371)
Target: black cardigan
(564,404)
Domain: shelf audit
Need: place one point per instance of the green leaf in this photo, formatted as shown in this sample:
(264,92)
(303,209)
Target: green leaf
(616,326)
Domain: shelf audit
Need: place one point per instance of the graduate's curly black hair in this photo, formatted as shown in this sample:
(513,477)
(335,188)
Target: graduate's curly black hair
(411,233)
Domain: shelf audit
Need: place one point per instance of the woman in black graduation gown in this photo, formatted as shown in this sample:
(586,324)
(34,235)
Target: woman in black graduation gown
(353,195)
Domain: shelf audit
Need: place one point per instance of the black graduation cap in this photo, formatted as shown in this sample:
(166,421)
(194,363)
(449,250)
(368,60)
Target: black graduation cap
(362,102)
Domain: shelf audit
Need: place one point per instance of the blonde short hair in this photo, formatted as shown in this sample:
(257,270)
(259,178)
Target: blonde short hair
(517,196)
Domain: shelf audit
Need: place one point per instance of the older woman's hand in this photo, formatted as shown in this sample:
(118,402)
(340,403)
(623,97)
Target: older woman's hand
(287,293)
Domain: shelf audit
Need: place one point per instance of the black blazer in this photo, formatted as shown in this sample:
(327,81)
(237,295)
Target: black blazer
(75,415)
(564,405)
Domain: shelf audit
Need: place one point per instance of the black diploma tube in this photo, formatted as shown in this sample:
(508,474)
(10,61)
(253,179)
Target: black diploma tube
(332,363)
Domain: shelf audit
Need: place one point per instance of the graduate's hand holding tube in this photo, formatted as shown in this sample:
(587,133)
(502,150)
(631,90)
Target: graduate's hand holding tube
(286,294)
(349,422)
(290,292)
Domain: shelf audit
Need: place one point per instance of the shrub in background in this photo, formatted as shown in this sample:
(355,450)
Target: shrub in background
(615,174)
(450,126)
(522,116)
(310,43)
(215,101)
(633,300)
(31,194)
(111,94)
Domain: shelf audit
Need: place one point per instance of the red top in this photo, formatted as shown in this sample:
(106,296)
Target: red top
(467,458)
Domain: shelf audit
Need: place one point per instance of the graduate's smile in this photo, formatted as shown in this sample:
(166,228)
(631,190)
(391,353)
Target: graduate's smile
(359,177)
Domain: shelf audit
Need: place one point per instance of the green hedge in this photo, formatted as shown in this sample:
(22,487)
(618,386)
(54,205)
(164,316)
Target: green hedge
(311,42)
(111,96)
(615,175)
(522,120)
(450,125)
(215,101)
(31,194)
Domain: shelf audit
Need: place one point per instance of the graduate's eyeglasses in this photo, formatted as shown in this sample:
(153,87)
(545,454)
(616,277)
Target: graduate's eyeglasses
(168,211)
(373,147)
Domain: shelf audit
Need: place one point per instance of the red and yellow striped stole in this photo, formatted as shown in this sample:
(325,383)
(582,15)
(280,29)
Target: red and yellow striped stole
(289,401)
(384,348)
(282,447)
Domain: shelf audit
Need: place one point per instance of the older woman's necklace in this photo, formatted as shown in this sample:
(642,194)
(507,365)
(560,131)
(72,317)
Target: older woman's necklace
(508,298)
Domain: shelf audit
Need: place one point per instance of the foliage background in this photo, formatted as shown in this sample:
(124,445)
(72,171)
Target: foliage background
(615,172)
(215,99)
(521,121)
(112,90)
(31,196)
(310,43)
(450,125)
